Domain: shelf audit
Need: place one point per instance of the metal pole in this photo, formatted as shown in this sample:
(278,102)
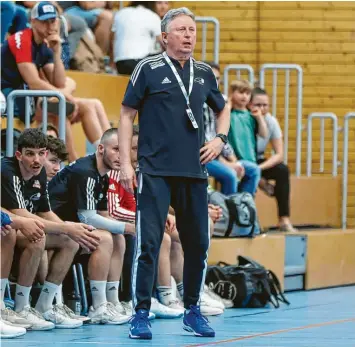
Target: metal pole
(347,118)
(27,112)
(321,162)
(44,115)
(216,35)
(287,99)
(274,91)
(238,68)
(31,93)
(299,102)
(322,116)
(204,40)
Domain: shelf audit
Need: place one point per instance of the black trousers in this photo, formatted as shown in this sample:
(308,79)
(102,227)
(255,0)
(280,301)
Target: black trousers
(281,174)
(188,197)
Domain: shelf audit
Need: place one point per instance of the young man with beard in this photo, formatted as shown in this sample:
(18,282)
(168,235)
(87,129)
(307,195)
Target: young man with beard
(24,184)
(79,192)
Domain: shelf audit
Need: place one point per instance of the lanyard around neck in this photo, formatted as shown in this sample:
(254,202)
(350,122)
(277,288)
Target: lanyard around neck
(178,78)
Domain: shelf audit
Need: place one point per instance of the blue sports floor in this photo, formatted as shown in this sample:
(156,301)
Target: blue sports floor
(317,318)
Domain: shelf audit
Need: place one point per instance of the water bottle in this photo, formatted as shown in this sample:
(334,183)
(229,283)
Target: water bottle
(74,303)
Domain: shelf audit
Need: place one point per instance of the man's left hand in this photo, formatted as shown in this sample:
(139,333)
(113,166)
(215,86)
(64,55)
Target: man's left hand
(211,150)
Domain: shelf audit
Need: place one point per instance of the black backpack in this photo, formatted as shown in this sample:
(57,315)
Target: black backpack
(248,284)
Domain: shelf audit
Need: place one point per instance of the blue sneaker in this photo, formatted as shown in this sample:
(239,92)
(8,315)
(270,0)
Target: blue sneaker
(140,326)
(194,322)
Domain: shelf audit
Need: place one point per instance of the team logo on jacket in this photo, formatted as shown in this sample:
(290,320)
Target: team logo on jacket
(112,187)
(36,184)
(200,80)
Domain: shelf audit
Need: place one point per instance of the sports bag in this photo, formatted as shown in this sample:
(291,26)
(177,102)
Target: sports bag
(247,284)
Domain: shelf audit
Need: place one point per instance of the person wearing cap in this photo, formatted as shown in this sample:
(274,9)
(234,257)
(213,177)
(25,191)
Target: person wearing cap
(30,52)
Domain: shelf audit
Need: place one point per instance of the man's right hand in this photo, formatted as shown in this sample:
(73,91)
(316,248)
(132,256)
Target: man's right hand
(32,229)
(81,234)
(128,178)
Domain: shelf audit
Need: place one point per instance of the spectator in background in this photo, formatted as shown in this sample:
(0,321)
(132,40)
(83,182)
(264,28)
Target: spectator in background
(75,27)
(13,18)
(27,52)
(273,167)
(135,31)
(98,16)
(161,8)
(245,125)
(225,169)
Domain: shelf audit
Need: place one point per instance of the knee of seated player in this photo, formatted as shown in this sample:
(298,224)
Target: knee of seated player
(106,240)
(9,241)
(62,242)
(35,248)
(119,243)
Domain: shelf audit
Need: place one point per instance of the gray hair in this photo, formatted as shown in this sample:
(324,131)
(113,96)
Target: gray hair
(172,14)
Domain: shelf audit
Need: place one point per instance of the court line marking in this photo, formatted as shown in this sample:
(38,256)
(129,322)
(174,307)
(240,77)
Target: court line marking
(275,332)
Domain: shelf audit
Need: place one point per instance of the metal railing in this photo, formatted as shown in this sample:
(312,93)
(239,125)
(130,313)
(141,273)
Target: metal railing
(322,116)
(215,22)
(347,119)
(238,69)
(287,68)
(27,94)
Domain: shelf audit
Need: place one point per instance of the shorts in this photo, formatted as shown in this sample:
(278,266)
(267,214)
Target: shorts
(90,16)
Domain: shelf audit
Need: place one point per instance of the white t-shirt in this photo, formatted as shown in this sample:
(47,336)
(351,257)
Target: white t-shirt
(136,30)
(274,132)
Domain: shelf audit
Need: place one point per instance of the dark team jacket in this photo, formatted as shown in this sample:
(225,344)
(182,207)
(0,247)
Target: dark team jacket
(16,193)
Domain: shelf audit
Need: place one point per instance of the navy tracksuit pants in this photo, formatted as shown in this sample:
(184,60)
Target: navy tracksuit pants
(188,197)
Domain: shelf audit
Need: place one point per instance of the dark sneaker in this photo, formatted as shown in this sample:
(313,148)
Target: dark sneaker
(140,326)
(194,322)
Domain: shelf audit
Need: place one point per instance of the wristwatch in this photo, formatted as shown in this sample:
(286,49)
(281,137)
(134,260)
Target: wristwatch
(223,138)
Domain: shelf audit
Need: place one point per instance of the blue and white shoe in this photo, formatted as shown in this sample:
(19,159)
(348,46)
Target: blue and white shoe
(194,322)
(140,326)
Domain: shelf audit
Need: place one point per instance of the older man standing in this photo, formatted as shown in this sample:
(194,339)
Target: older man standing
(169,90)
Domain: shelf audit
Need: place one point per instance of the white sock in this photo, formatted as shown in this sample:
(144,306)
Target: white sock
(45,300)
(98,292)
(22,297)
(112,292)
(59,295)
(4,282)
(180,288)
(165,295)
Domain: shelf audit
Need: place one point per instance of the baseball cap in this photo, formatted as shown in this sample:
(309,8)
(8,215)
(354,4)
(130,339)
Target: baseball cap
(44,10)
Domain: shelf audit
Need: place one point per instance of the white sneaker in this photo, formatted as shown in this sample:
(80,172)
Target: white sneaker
(70,313)
(11,318)
(211,302)
(162,311)
(35,319)
(117,312)
(176,305)
(128,310)
(104,314)
(227,303)
(7,331)
(60,319)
